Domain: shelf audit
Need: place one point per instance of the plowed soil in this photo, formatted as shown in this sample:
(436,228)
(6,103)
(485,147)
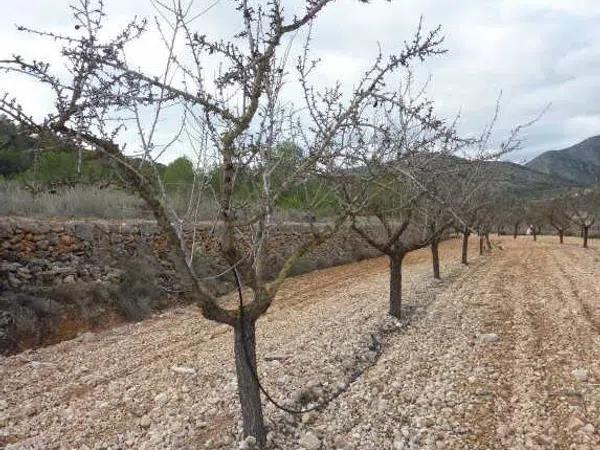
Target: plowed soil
(502,354)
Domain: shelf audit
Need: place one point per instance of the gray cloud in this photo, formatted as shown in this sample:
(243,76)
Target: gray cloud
(535,51)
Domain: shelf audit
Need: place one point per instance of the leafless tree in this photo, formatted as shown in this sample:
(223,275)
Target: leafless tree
(247,118)
(582,209)
(399,151)
(535,217)
(555,210)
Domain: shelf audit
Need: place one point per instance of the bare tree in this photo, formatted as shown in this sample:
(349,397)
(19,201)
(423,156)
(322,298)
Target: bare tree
(582,209)
(244,112)
(555,210)
(535,218)
(406,148)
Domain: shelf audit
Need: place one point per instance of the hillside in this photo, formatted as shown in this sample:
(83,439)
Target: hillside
(504,177)
(525,181)
(579,163)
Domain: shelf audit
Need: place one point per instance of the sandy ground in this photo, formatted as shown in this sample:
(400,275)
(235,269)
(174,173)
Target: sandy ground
(503,354)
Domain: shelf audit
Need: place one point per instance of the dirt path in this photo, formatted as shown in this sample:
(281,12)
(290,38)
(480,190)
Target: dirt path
(441,382)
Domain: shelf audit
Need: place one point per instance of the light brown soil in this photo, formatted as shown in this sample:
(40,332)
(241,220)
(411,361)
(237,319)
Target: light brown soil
(438,385)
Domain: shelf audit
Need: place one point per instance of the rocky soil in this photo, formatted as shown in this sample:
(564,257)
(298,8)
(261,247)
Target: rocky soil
(502,354)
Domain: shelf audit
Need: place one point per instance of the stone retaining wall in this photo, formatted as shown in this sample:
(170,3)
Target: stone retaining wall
(92,274)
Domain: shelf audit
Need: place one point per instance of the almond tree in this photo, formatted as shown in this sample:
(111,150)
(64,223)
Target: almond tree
(402,152)
(246,116)
(582,209)
(535,218)
(556,214)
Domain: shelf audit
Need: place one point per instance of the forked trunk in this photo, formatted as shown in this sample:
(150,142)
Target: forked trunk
(561,236)
(248,389)
(465,247)
(435,258)
(586,231)
(396,285)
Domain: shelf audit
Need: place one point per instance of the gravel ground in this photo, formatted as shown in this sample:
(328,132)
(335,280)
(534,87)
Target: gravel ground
(502,354)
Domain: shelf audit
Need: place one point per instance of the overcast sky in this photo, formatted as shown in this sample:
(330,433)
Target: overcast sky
(535,51)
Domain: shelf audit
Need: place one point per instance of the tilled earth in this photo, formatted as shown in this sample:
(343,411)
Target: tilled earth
(503,354)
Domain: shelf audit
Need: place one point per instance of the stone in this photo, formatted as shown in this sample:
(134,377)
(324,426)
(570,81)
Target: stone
(574,424)
(67,240)
(371,356)
(145,422)
(309,441)
(309,417)
(489,338)
(184,370)
(399,444)
(14,281)
(161,399)
(43,244)
(248,443)
(580,374)
(87,337)
(68,414)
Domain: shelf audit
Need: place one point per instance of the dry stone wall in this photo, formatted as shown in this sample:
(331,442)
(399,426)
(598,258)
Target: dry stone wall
(61,277)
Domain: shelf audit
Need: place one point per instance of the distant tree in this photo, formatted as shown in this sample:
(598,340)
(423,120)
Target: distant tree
(535,217)
(582,208)
(555,210)
(178,177)
(16,149)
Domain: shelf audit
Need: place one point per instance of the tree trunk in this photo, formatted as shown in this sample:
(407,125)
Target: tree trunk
(396,285)
(465,247)
(534,232)
(480,244)
(561,236)
(435,258)
(248,389)
(516,231)
(585,236)
(488,243)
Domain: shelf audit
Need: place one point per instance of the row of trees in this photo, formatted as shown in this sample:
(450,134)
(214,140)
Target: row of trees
(381,159)
(572,211)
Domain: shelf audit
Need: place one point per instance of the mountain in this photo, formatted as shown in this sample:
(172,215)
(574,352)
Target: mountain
(524,181)
(579,163)
(499,177)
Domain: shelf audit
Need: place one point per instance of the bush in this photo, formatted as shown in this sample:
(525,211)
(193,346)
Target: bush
(138,293)
(80,201)
(25,320)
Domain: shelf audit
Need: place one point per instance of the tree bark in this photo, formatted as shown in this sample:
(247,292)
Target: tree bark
(435,258)
(480,244)
(396,285)
(465,247)
(248,389)
(561,236)
(516,231)
(586,231)
(534,232)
